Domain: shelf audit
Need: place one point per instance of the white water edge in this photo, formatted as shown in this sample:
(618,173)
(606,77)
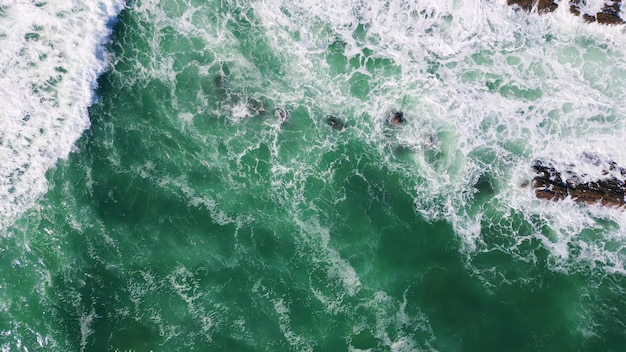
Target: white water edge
(52,54)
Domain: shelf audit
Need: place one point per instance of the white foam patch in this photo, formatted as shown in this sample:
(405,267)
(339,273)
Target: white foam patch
(86,330)
(340,280)
(52,54)
(185,285)
(396,328)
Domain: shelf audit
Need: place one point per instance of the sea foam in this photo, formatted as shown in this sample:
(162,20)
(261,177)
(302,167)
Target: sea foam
(52,55)
(486,89)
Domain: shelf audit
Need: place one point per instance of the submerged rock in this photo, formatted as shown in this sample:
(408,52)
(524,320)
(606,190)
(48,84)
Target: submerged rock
(257,106)
(335,122)
(552,184)
(282,115)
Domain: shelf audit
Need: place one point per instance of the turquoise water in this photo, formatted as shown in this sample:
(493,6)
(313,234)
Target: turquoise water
(186,218)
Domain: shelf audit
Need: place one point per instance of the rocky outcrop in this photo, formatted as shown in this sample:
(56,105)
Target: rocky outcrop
(335,122)
(543,6)
(552,184)
(610,13)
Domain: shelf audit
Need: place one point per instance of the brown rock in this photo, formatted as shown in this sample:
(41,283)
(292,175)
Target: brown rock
(608,15)
(552,184)
(543,6)
(607,18)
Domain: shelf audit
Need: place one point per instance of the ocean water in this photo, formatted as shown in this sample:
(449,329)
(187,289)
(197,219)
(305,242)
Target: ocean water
(152,198)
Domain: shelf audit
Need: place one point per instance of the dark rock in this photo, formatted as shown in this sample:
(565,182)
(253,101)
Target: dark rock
(257,106)
(552,184)
(396,117)
(543,6)
(608,15)
(335,122)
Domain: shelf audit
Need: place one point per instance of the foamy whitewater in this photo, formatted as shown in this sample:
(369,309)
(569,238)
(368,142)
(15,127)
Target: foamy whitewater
(52,54)
(488,84)
(169,180)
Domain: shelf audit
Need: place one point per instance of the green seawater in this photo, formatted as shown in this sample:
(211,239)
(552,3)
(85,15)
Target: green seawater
(189,220)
